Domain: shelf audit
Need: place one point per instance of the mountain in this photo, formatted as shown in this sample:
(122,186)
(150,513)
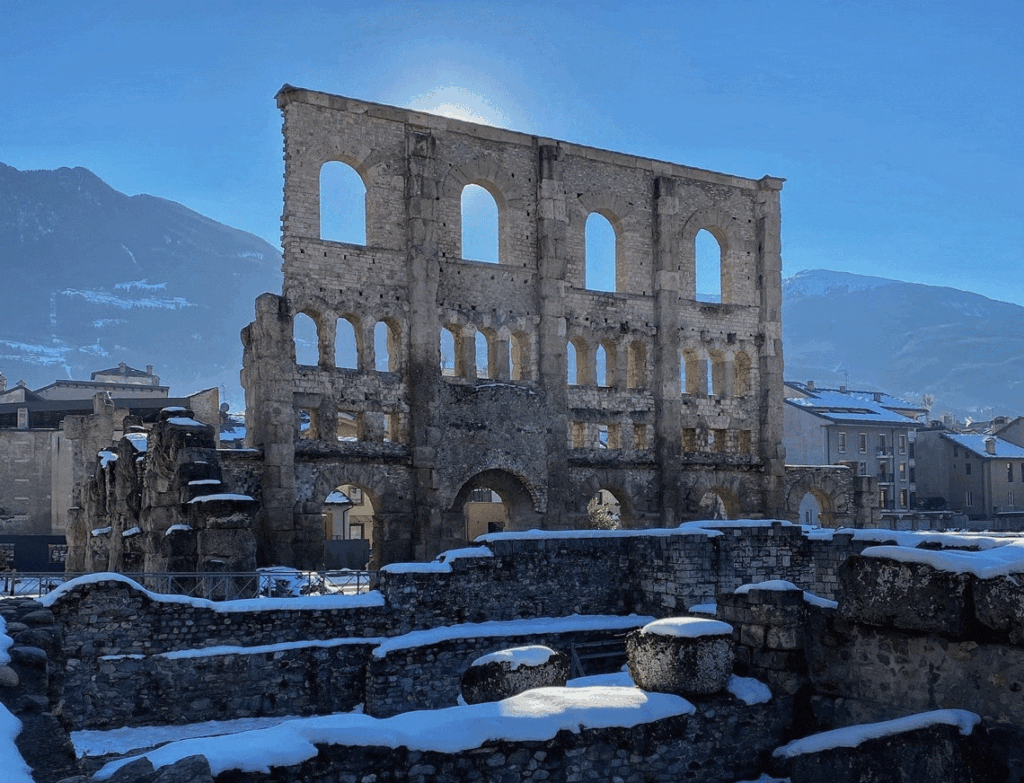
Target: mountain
(907,339)
(93,277)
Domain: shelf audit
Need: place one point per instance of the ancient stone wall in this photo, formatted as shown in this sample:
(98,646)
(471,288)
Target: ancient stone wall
(425,436)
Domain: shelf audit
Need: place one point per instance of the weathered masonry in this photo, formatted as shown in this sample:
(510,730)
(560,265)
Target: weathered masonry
(671,401)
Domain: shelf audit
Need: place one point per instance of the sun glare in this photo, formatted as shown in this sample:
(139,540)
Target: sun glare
(460,104)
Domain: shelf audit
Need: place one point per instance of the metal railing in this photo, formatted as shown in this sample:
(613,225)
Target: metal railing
(214,586)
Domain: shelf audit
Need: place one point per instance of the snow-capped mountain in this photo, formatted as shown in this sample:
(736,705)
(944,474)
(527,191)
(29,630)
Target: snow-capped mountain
(94,277)
(907,339)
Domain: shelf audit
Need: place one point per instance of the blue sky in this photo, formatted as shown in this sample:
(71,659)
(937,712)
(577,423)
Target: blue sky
(897,125)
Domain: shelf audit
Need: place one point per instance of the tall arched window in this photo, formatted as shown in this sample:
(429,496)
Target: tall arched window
(708,259)
(483,355)
(346,345)
(385,347)
(570,364)
(479,225)
(600,253)
(307,340)
(601,366)
(342,204)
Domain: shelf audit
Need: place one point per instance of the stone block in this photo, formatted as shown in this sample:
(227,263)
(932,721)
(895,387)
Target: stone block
(507,672)
(910,596)
(999,605)
(685,656)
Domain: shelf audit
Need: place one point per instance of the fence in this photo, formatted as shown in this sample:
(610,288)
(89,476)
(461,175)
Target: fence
(219,586)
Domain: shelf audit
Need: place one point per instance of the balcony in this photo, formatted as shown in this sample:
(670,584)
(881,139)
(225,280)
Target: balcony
(883,453)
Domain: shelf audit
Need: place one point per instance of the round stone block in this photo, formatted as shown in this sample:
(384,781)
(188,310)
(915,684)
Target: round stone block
(687,656)
(505,673)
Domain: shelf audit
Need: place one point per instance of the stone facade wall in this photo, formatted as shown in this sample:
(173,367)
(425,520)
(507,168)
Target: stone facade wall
(426,437)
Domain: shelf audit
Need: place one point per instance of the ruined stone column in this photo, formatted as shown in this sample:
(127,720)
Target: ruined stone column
(769,285)
(423,186)
(552,226)
(665,382)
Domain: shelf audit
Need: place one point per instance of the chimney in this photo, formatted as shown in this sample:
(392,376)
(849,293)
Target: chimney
(877,396)
(3,383)
(122,367)
(990,445)
(149,369)
(842,388)
(810,385)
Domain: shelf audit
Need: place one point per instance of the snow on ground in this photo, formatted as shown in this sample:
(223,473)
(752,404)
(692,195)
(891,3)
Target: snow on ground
(530,655)
(852,736)
(537,625)
(687,627)
(335,601)
(748,690)
(130,738)
(536,715)
(14,766)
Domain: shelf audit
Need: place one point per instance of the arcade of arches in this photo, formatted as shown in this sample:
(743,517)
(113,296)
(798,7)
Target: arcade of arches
(505,385)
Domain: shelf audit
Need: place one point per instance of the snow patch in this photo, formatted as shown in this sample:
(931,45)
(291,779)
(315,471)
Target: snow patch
(687,627)
(535,716)
(852,736)
(529,656)
(748,690)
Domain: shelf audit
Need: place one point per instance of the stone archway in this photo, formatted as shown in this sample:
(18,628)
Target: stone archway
(827,490)
(717,503)
(520,507)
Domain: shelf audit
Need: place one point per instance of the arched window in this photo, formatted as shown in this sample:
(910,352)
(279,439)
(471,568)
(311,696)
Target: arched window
(483,355)
(600,253)
(451,353)
(346,345)
(570,363)
(741,374)
(307,340)
(708,259)
(636,365)
(385,347)
(479,225)
(601,366)
(342,204)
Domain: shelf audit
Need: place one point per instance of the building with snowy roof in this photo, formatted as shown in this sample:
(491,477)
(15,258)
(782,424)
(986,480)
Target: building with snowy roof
(981,476)
(872,432)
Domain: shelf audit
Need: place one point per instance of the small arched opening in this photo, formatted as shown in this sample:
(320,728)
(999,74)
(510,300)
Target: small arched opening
(492,501)
(606,511)
(307,340)
(346,343)
(451,352)
(385,346)
(716,504)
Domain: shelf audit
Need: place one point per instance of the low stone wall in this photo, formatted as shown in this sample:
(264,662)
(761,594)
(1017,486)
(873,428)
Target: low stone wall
(724,741)
(150,690)
(425,677)
(113,617)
